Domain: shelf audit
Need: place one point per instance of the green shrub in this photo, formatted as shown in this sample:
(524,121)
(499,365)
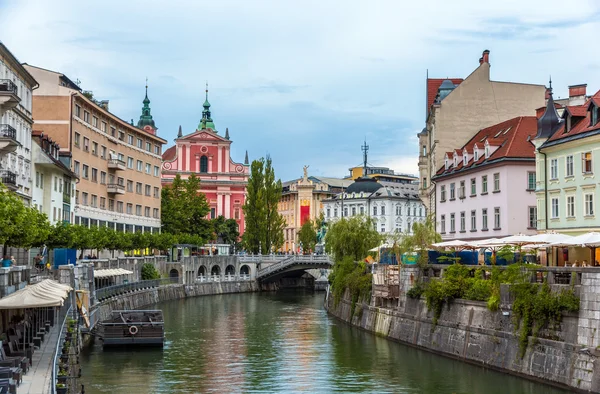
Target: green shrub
(347,274)
(149,272)
(416,291)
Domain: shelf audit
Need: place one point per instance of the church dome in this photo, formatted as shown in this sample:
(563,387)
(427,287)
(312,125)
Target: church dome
(364,185)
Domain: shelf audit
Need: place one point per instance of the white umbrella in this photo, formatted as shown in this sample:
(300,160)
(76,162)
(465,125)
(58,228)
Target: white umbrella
(451,244)
(517,239)
(487,243)
(548,238)
(590,240)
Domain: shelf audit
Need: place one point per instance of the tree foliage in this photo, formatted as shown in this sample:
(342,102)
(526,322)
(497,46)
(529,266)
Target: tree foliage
(20,226)
(225,231)
(264,224)
(184,208)
(307,236)
(423,235)
(149,272)
(352,237)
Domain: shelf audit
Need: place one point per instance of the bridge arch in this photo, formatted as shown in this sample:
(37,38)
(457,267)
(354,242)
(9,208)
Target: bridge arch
(230,270)
(174,274)
(244,270)
(202,271)
(215,270)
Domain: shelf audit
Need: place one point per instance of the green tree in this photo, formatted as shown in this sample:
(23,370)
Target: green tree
(184,208)
(307,236)
(254,208)
(423,235)
(274,221)
(149,272)
(20,226)
(264,224)
(225,231)
(352,237)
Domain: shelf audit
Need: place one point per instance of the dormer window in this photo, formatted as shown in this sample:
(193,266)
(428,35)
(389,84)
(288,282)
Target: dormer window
(594,115)
(455,161)
(476,154)
(568,123)
(446,163)
(465,160)
(487,151)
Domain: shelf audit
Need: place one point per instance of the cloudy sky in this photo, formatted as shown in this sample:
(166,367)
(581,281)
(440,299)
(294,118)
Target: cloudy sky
(304,81)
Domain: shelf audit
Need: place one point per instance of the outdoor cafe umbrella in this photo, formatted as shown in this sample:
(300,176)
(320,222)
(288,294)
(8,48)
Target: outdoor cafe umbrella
(587,240)
(452,244)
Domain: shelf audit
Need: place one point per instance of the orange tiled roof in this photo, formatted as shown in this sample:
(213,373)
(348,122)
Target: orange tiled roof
(583,126)
(433,84)
(511,137)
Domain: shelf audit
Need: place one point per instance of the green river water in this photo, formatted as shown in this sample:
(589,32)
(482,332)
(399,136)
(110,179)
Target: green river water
(284,343)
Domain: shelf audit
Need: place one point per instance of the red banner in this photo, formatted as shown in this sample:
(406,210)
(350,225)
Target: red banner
(304,214)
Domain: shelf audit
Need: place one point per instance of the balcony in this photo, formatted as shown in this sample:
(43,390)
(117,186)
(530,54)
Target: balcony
(115,188)
(9,97)
(116,164)
(8,139)
(9,179)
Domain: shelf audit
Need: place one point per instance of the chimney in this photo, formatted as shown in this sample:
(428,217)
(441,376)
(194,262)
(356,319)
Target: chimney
(486,56)
(480,61)
(577,94)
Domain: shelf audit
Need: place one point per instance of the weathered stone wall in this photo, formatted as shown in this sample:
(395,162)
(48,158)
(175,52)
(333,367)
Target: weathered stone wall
(143,299)
(468,331)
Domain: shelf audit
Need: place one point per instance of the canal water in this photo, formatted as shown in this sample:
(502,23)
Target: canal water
(284,342)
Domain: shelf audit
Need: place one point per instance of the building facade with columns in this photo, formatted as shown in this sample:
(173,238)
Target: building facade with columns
(16,120)
(302,200)
(207,154)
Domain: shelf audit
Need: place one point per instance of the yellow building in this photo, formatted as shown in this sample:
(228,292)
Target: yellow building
(381,174)
(301,200)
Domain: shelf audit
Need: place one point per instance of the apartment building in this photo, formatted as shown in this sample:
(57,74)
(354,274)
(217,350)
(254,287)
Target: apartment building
(568,153)
(53,181)
(457,109)
(486,189)
(16,85)
(117,163)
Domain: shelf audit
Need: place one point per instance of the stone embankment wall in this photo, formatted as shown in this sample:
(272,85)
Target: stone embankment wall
(468,331)
(145,298)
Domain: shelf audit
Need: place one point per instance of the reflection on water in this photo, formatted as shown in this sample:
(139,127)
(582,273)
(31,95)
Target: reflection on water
(281,342)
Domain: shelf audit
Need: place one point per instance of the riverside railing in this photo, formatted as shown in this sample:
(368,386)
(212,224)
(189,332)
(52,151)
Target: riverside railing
(222,278)
(111,291)
(539,274)
(63,314)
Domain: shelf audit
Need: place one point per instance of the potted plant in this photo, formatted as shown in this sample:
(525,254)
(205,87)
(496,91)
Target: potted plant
(61,388)
(64,357)
(62,375)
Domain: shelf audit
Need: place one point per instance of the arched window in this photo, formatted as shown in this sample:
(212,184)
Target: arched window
(204,164)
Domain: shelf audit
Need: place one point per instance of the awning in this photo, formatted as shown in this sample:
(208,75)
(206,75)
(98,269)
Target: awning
(105,273)
(43,294)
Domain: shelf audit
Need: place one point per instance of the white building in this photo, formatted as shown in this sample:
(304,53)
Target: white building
(53,181)
(394,207)
(16,85)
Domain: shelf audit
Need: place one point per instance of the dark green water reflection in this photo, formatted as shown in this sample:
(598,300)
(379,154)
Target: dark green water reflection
(283,342)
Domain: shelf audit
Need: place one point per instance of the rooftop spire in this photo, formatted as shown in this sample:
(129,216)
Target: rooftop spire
(206,122)
(179,133)
(146,117)
(246,158)
(226,133)
(549,122)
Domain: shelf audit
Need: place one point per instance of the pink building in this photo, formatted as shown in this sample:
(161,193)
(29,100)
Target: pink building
(207,154)
(486,188)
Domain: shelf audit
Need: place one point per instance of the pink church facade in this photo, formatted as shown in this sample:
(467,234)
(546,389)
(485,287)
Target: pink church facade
(208,155)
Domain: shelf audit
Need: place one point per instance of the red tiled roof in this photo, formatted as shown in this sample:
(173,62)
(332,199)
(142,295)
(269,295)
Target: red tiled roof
(577,110)
(511,137)
(583,126)
(433,84)
(169,154)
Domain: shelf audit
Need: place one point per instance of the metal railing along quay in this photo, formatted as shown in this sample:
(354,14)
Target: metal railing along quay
(65,313)
(111,291)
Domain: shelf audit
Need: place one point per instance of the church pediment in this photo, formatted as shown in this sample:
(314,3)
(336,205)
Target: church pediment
(204,135)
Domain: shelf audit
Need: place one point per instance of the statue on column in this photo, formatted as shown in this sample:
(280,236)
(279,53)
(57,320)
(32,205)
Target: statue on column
(306,173)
